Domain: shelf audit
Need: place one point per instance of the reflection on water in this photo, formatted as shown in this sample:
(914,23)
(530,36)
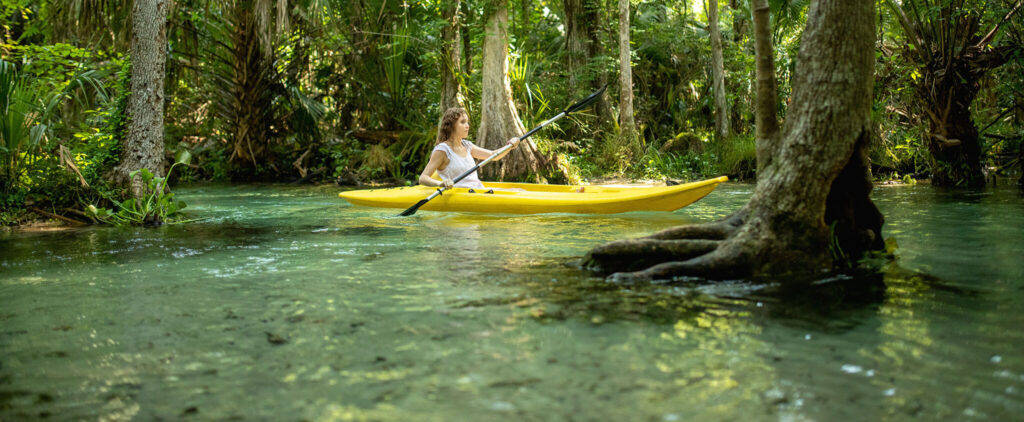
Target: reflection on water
(286,303)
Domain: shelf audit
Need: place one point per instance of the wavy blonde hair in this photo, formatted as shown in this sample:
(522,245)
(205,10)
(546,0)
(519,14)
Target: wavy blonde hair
(448,119)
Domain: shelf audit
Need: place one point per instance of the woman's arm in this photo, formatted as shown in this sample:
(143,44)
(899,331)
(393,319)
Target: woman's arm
(438,159)
(482,153)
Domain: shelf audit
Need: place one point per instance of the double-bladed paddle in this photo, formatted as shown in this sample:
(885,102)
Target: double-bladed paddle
(571,109)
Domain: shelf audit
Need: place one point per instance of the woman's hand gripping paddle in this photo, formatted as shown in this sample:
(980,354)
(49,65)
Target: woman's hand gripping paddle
(571,109)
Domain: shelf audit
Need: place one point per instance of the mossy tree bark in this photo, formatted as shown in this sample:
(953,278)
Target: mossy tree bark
(814,190)
(144,144)
(499,119)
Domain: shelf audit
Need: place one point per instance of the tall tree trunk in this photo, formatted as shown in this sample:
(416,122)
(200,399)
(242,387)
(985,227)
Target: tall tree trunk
(499,119)
(467,51)
(718,73)
(766,100)
(576,40)
(144,144)
(596,49)
(583,44)
(451,50)
(627,126)
(815,194)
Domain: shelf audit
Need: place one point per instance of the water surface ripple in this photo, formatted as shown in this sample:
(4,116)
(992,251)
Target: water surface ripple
(285,303)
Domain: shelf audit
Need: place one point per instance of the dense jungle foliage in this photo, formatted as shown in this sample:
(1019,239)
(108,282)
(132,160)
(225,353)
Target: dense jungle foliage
(349,91)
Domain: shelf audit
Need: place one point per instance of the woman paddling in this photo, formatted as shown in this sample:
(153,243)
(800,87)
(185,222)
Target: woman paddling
(453,154)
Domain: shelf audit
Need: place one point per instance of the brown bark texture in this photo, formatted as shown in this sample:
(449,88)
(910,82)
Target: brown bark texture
(499,119)
(144,143)
(603,106)
(766,99)
(811,211)
(627,125)
(718,72)
(582,44)
(576,39)
(467,66)
(451,52)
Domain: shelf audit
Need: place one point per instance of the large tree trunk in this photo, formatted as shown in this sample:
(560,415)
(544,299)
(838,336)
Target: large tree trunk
(627,125)
(499,119)
(451,51)
(718,73)
(814,194)
(144,144)
(766,124)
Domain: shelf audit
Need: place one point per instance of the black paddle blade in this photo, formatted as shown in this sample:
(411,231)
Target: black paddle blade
(586,101)
(412,209)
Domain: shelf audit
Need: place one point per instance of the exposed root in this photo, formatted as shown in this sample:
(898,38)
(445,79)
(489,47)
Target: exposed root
(692,244)
(718,230)
(634,254)
(718,264)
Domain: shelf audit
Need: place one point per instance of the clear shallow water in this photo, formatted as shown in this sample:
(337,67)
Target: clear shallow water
(288,304)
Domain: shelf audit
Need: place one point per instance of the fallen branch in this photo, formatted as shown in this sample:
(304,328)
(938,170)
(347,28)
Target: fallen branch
(58,217)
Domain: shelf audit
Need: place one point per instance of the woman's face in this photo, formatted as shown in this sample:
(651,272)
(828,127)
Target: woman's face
(462,127)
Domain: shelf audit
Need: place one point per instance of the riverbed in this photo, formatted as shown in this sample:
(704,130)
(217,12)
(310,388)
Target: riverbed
(286,303)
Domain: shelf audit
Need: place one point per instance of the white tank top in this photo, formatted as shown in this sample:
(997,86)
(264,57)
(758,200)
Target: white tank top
(458,164)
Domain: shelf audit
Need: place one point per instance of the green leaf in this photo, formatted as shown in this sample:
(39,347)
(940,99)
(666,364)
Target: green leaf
(184,157)
(146,175)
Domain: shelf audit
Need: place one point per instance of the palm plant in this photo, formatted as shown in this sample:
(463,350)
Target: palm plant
(951,45)
(28,113)
(257,95)
(20,131)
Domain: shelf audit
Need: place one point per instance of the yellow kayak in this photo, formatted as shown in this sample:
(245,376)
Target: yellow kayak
(529,198)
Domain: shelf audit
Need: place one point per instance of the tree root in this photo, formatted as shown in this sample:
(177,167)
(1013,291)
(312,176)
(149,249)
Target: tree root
(694,249)
(718,230)
(717,264)
(635,254)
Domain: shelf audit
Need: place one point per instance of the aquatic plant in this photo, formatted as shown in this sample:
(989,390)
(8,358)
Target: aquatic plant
(155,206)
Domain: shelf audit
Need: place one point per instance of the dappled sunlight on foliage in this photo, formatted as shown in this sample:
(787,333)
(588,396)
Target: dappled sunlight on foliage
(325,90)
